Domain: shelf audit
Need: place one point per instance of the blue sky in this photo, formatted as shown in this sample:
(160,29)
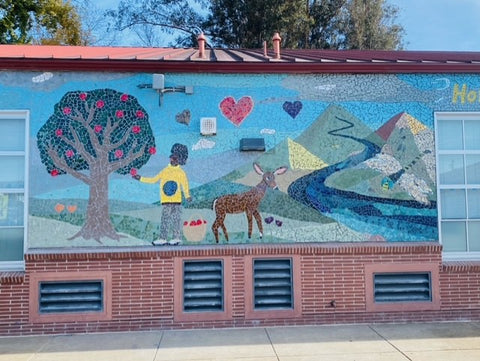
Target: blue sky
(429,24)
(440,24)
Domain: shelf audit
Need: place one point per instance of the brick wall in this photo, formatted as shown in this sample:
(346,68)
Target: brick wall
(142,286)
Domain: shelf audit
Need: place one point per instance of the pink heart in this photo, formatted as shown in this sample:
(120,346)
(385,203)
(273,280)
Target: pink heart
(236,112)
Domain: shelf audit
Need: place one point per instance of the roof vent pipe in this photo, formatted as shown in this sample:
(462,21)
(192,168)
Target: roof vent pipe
(276,45)
(201,45)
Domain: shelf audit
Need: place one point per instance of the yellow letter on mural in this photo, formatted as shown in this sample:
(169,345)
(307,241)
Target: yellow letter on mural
(457,93)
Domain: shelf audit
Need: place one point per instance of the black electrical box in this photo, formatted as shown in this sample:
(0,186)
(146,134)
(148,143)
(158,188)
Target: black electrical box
(252,144)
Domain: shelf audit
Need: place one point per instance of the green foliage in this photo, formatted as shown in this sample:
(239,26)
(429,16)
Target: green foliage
(320,24)
(103,131)
(16,20)
(247,24)
(370,24)
(39,21)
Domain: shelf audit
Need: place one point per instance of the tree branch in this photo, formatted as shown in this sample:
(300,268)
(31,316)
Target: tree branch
(110,127)
(62,165)
(129,158)
(86,124)
(78,145)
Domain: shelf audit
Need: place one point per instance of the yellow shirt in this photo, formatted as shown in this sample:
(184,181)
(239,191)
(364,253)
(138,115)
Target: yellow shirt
(172,181)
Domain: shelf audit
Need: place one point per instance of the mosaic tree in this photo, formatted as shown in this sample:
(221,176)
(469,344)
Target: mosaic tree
(91,135)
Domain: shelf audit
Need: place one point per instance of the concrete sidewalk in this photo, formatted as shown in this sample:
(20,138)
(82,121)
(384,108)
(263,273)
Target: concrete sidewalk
(391,342)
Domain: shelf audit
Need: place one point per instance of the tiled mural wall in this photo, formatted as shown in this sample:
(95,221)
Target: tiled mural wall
(348,158)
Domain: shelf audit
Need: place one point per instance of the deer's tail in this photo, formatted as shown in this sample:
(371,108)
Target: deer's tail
(214,203)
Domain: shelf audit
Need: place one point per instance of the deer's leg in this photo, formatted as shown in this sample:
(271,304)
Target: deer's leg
(215,226)
(249,220)
(219,223)
(224,231)
(258,218)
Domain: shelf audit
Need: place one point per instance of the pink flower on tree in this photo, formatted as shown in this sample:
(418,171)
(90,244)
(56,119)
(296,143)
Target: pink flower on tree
(119,153)
(83,96)
(58,132)
(152,150)
(54,172)
(124,97)
(119,113)
(69,153)
(140,114)
(67,110)
(136,129)
(100,104)
(133,172)
(97,128)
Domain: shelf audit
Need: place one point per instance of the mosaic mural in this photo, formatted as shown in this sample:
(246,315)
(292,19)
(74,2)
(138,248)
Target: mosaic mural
(348,158)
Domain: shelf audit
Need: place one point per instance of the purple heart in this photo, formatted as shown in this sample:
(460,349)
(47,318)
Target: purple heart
(292,108)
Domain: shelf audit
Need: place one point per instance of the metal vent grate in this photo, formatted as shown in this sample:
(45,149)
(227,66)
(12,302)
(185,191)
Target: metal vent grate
(71,296)
(273,286)
(202,286)
(402,287)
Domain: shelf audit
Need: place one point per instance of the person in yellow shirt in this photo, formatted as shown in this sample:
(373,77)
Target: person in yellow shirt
(173,181)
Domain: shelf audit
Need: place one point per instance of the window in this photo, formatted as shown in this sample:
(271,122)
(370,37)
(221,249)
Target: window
(458,183)
(13,188)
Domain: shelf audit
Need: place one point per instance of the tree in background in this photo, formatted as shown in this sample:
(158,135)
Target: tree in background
(180,18)
(248,23)
(94,24)
(319,24)
(326,29)
(370,24)
(91,135)
(39,22)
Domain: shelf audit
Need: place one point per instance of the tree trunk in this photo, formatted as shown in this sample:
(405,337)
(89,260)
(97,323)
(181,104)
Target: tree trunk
(97,223)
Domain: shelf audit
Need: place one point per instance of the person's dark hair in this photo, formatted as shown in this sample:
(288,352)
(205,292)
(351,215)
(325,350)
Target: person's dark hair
(181,152)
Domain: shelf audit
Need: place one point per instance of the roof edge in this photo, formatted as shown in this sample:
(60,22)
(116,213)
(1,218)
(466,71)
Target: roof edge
(141,66)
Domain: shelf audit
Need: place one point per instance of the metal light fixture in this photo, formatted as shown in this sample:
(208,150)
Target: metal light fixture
(158,83)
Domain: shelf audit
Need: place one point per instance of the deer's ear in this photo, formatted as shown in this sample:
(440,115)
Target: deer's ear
(280,170)
(258,169)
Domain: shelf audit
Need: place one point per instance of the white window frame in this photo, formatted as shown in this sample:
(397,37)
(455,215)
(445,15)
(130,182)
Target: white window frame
(23,115)
(439,116)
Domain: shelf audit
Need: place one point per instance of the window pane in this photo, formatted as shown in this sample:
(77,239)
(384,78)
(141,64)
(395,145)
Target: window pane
(474,236)
(454,236)
(11,210)
(15,176)
(451,169)
(473,200)
(11,244)
(453,203)
(472,134)
(450,135)
(473,169)
(12,134)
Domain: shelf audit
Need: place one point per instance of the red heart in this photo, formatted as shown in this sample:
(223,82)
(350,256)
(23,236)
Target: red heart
(236,112)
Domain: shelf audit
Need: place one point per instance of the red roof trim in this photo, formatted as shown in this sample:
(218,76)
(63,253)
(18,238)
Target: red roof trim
(139,66)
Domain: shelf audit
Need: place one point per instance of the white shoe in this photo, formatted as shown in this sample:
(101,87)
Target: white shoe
(174,242)
(159,242)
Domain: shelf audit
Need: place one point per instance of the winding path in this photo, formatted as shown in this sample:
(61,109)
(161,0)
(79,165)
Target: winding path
(379,215)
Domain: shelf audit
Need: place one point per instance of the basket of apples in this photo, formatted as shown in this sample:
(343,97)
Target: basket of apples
(195,229)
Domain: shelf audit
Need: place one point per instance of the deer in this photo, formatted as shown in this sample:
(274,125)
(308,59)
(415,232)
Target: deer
(247,202)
